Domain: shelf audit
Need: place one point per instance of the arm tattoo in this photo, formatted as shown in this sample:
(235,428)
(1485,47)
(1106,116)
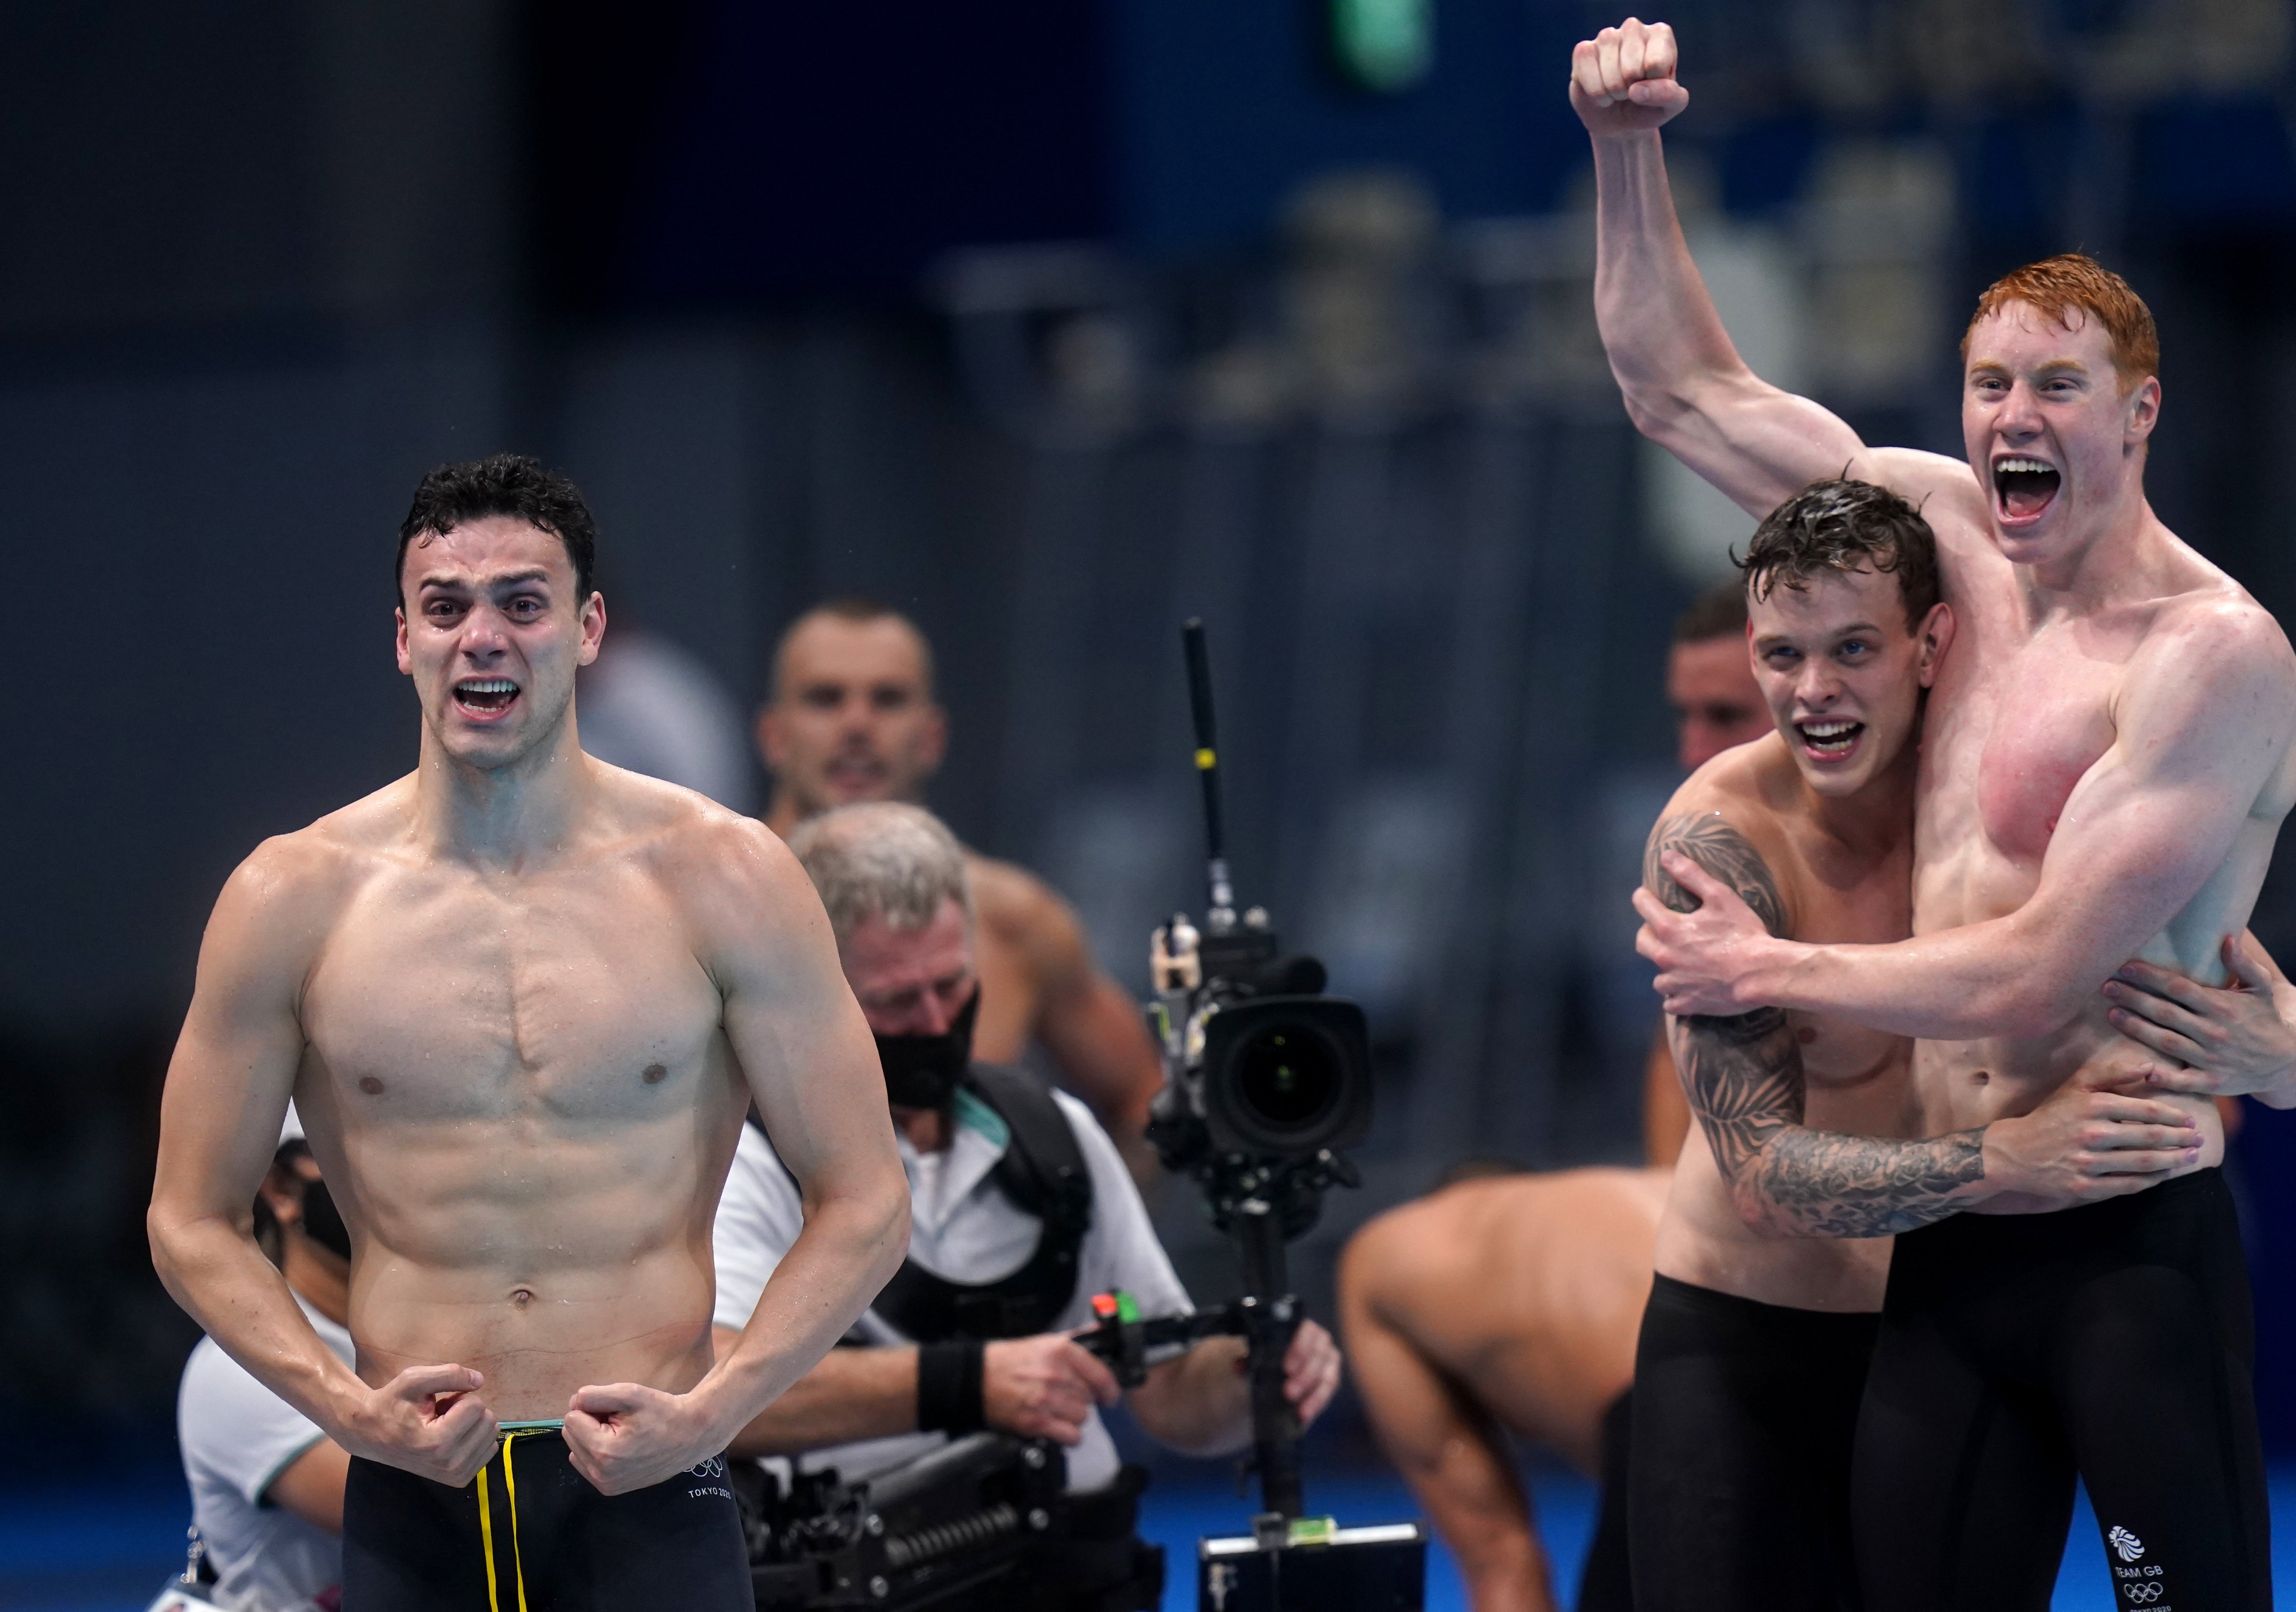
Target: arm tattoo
(1743,1078)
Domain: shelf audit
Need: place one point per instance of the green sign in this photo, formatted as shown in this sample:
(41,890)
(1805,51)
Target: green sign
(1385,45)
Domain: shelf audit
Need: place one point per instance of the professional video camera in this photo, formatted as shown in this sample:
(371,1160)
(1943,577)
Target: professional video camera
(1267,1080)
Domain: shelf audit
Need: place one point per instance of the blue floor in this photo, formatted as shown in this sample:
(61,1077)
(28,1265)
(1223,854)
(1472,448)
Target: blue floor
(91,1546)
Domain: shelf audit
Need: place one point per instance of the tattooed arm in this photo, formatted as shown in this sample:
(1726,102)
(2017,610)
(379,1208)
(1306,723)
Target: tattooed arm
(1743,1079)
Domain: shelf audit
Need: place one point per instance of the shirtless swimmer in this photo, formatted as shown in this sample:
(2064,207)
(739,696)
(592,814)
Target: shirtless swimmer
(523,1000)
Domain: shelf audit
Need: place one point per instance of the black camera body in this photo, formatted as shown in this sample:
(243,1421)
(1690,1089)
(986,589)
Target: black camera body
(1269,1080)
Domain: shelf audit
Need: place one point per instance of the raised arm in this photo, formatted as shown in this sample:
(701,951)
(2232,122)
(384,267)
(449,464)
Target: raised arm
(2202,732)
(813,1072)
(1686,386)
(1742,1076)
(227,1089)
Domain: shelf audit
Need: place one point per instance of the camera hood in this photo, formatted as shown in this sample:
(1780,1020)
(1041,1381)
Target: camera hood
(1287,1075)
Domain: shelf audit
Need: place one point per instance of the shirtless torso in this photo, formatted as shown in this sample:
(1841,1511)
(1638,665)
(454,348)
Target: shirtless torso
(2108,754)
(522,1000)
(1854,1081)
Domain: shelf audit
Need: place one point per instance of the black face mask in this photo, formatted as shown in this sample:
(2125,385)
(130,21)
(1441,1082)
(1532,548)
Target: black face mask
(322,1222)
(922,1071)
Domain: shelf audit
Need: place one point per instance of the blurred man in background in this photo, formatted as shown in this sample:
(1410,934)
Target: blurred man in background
(267,1483)
(1709,678)
(1021,1212)
(851,717)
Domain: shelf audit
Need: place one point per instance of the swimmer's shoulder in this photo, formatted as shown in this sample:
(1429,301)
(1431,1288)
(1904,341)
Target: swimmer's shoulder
(279,904)
(728,874)
(1750,786)
(1019,908)
(2218,621)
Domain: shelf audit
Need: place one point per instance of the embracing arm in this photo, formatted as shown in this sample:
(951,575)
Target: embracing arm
(1743,1078)
(2203,723)
(2236,1039)
(227,1089)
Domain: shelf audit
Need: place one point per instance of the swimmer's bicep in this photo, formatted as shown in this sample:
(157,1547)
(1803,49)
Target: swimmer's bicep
(2201,738)
(234,1065)
(1708,839)
(1741,1076)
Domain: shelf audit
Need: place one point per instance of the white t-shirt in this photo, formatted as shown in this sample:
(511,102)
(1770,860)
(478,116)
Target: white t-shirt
(962,1227)
(237,1435)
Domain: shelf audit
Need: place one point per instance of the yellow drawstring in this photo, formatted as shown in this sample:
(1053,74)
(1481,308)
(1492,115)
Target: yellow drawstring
(510,1482)
(487,1541)
(486,1524)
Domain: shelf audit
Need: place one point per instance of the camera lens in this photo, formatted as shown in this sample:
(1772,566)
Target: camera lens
(1286,1076)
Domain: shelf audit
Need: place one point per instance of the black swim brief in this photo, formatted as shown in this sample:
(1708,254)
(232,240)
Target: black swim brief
(530,1535)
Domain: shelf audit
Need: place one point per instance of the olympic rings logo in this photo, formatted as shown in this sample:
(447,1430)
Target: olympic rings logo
(2144,1594)
(715,1466)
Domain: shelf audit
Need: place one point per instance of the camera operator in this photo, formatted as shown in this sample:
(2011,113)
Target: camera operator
(266,1484)
(851,717)
(1022,1211)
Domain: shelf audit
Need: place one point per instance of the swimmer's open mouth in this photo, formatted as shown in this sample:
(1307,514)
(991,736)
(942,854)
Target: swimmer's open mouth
(2023,487)
(485,697)
(1830,741)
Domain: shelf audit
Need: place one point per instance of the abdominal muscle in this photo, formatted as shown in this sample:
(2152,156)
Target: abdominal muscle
(1966,1084)
(545,1263)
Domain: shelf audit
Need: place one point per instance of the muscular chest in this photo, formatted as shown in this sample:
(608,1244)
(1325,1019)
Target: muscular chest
(442,997)
(2010,734)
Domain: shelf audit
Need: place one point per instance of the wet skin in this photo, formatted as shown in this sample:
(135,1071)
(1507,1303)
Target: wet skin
(522,1000)
(2108,751)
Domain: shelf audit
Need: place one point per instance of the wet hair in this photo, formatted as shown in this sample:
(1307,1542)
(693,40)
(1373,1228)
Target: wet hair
(1845,526)
(504,484)
(2069,283)
(1718,613)
(853,611)
(881,859)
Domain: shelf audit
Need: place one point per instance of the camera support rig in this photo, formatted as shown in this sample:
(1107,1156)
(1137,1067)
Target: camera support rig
(1269,1081)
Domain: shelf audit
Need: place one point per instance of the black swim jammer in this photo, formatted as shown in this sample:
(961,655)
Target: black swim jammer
(2114,1341)
(530,1535)
(1738,1487)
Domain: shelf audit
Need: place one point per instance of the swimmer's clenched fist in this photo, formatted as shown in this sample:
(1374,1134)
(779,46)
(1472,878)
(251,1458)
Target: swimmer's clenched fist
(1623,79)
(523,1000)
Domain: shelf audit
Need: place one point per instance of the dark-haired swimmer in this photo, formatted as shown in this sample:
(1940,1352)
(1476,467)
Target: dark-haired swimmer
(1774,1249)
(522,1001)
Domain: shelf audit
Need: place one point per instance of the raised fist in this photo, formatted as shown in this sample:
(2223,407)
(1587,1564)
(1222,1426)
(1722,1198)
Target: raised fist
(1622,80)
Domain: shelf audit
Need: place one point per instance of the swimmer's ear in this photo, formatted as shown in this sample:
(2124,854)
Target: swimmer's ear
(592,616)
(1937,637)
